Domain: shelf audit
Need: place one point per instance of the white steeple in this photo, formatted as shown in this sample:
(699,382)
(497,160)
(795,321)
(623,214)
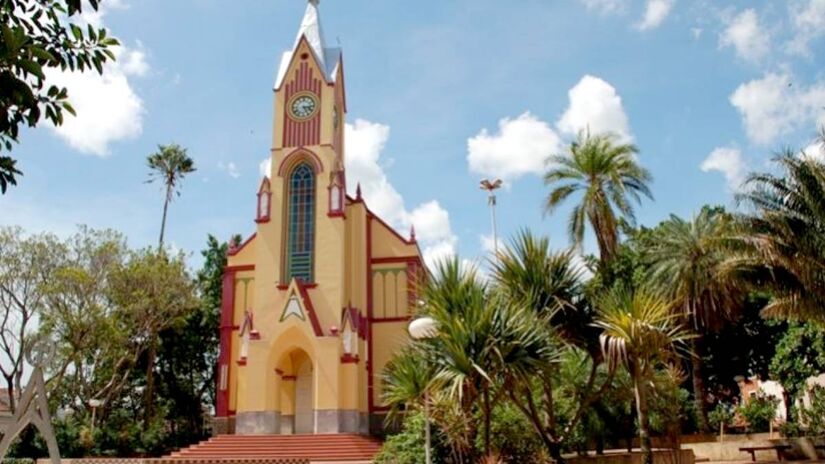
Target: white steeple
(328,58)
(311,29)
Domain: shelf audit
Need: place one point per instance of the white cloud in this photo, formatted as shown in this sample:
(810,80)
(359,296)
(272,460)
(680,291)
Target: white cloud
(730,163)
(696,32)
(775,105)
(656,11)
(815,150)
(487,243)
(808,21)
(265,168)
(521,146)
(596,106)
(108,109)
(605,6)
(751,41)
(365,142)
(230,169)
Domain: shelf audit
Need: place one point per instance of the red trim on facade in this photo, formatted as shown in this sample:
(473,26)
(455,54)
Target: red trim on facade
(396,259)
(370,359)
(337,214)
(390,319)
(235,250)
(264,191)
(279,372)
(240,268)
(388,227)
(313,317)
(286,286)
(227,310)
(242,362)
(289,160)
(289,377)
(303,132)
(348,358)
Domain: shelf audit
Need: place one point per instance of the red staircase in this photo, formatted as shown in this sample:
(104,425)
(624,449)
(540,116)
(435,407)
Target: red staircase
(315,448)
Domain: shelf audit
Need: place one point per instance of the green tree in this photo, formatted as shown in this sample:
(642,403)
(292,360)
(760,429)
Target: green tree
(686,261)
(549,284)
(155,293)
(640,333)
(187,357)
(27,263)
(800,354)
(38,36)
(608,176)
(169,165)
(784,246)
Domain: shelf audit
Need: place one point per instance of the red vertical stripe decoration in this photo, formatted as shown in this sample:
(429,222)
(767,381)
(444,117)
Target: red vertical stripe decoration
(308,132)
(227,307)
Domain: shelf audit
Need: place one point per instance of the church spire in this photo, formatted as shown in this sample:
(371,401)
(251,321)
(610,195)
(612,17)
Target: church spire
(311,29)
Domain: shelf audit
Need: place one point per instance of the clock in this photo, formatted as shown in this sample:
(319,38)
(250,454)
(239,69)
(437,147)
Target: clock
(303,106)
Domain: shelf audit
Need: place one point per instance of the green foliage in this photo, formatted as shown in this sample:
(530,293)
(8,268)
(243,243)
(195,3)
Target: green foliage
(812,417)
(721,415)
(513,437)
(38,36)
(784,247)
(605,172)
(759,412)
(407,446)
(799,355)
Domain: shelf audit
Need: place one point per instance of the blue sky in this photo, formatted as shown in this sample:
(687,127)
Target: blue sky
(440,94)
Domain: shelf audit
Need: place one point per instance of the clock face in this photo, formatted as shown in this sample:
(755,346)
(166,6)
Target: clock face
(303,106)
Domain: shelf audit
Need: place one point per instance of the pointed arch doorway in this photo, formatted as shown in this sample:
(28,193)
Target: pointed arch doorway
(297,393)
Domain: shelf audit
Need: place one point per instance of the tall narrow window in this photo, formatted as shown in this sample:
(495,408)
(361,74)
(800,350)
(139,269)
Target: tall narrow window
(301,242)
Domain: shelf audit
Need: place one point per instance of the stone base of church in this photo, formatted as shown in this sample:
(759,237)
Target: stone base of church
(257,423)
(271,422)
(223,425)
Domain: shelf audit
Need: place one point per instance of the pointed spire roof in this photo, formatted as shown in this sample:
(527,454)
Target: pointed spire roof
(328,58)
(312,30)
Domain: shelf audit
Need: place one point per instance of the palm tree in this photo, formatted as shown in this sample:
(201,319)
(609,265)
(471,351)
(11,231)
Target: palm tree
(785,237)
(484,340)
(170,164)
(609,177)
(549,284)
(641,333)
(686,262)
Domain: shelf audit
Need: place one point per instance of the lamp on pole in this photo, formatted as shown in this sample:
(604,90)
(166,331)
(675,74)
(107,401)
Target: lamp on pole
(491,187)
(421,329)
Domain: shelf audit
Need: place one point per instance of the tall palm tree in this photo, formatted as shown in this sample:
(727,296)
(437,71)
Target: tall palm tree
(610,179)
(686,262)
(641,333)
(169,165)
(785,237)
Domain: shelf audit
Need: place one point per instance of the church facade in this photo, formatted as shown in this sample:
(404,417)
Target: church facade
(317,300)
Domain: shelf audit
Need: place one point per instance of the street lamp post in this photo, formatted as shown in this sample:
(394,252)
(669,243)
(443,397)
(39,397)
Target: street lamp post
(491,187)
(420,329)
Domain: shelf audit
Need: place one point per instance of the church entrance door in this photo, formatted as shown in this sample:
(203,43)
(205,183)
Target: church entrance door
(304,416)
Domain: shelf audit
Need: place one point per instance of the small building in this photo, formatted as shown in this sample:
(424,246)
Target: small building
(317,300)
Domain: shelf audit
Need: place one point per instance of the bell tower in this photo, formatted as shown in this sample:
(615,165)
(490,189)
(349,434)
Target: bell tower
(307,146)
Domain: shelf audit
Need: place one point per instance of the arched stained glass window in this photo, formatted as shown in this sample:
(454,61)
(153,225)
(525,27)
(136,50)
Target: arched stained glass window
(301,241)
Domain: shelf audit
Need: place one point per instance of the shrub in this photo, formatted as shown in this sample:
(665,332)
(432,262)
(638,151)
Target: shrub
(812,418)
(407,446)
(721,415)
(759,412)
(512,436)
